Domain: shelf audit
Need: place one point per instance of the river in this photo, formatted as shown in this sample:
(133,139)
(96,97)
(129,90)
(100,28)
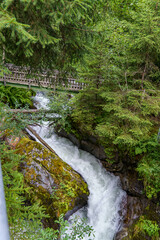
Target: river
(104,211)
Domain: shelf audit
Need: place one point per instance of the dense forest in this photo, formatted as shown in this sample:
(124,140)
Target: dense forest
(113,47)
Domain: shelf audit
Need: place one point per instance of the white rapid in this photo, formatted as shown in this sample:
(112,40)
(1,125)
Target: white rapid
(104,209)
(4,229)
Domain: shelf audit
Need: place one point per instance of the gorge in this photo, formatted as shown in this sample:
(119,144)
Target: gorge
(106,205)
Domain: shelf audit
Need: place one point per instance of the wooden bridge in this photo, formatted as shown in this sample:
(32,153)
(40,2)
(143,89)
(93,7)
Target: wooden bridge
(19,76)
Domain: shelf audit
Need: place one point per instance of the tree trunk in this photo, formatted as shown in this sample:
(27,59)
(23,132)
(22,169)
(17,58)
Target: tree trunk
(143,74)
(40,139)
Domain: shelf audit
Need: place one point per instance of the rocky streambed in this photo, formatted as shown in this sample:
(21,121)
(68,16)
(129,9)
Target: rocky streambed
(137,203)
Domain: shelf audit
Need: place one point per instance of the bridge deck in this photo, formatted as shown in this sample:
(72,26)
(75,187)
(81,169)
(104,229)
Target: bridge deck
(19,76)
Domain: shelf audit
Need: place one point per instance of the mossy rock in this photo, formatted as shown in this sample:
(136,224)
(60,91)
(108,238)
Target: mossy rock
(54,184)
(136,231)
(141,221)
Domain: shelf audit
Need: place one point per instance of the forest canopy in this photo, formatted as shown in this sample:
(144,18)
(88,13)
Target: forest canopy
(113,47)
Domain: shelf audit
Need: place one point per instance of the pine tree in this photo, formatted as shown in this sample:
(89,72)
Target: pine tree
(44,34)
(126,57)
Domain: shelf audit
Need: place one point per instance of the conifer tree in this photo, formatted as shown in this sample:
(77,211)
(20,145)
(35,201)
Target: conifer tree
(44,34)
(125,117)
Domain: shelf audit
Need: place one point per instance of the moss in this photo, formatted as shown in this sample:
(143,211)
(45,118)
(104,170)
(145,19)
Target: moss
(145,228)
(53,182)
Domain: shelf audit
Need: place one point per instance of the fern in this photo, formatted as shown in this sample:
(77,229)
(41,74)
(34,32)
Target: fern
(16,96)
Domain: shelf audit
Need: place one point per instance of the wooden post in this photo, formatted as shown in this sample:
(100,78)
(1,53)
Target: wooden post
(3,56)
(55,84)
(4,80)
(29,85)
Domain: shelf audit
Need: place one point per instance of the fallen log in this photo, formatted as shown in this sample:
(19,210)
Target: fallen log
(40,139)
(29,111)
(43,113)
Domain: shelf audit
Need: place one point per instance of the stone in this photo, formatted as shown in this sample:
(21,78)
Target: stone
(54,184)
(90,144)
(137,207)
(131,183)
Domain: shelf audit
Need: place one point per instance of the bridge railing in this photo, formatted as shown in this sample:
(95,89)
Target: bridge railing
(20,75)
(4,229)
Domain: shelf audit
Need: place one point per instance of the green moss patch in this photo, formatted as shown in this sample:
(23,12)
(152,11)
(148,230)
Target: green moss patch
(53,182)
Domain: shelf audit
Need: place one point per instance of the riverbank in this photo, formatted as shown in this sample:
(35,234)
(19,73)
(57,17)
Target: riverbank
(137,204)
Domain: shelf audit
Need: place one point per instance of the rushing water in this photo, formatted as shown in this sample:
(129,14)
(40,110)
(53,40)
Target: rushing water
(4,230)
(103,211)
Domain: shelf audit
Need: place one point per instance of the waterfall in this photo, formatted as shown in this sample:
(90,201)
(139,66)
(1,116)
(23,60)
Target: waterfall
(104,209)
(4,229)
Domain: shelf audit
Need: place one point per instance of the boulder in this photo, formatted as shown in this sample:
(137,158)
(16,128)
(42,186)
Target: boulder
(53,183)
(89,143)
(137,207)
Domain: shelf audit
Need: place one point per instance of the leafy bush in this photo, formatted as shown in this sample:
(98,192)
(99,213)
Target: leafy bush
(15,189)
(147,227)
(149,167)
(32,230)
(16,97)
(60,106)
(78,230)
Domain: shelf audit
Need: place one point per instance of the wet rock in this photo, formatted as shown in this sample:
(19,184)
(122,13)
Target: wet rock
(113,167)
(131,183)
(137,207)
(95,150)
(90,144)
(54,184)
(133,211)
(70,136)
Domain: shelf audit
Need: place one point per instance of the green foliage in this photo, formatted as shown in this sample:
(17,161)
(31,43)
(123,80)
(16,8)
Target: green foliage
(120,102)
(122,8)
(123,120)
(68,189)
(83,115)
(42,34)
(8,20)
(18,211)
(79,230)
(59,103)
(9,123)
(32,230)
(25,230)
(126,116)
(149,167)
(15,190)
(16,97)
(147,227)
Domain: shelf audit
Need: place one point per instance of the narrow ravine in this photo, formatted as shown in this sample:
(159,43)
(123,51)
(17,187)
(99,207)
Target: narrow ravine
(105,204)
